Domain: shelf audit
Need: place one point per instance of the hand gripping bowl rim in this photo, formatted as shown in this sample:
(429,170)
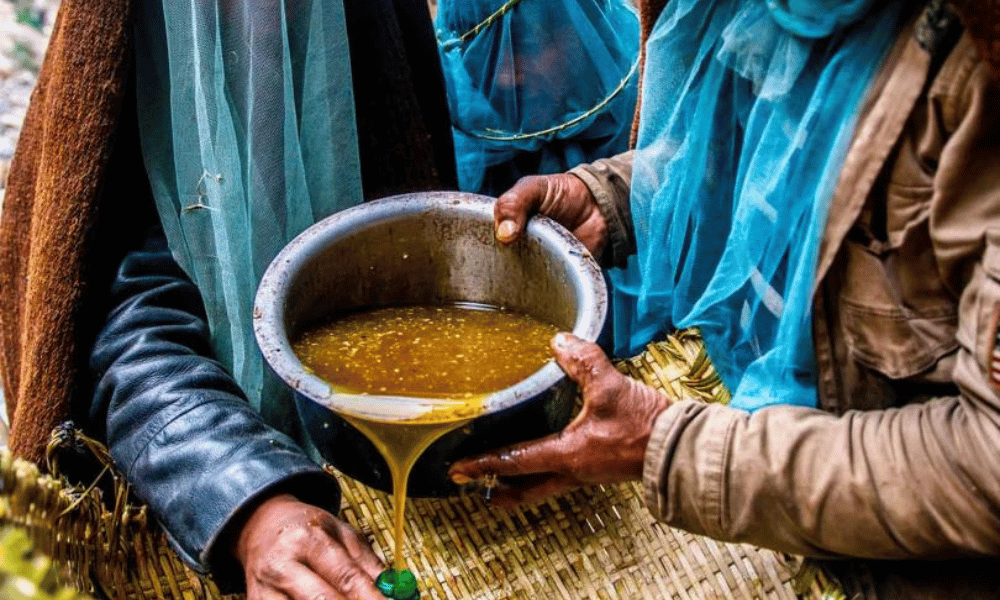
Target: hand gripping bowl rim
(270,301)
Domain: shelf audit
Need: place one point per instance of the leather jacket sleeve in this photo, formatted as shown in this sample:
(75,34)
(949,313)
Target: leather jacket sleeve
(177,424)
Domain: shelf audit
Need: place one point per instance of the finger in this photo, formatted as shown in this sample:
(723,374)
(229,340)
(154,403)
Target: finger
(531,489)
(301,583)
(343,574)
(543,455)
(358,549)
(584,362)
(515,206)
(260,592)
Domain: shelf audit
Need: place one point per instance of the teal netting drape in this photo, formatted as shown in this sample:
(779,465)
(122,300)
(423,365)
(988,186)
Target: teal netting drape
(748,109)
(248,131)
(536,86)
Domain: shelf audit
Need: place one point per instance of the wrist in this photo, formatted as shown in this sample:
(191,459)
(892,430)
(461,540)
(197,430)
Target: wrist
(601,202)
(656,404)
(261,514)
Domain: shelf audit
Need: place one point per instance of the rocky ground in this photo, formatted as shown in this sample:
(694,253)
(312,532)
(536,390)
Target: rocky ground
(25,26)
(24,32)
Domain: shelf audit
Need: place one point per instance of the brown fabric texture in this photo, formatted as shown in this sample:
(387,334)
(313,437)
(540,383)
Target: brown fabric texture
(982,19)
(49,209)
(909,271)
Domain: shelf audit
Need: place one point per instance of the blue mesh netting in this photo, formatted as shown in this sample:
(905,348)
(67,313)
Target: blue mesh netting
(536,86)
(238,104)
(748,109)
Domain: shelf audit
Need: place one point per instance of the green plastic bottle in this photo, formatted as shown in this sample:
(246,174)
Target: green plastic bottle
(398,585)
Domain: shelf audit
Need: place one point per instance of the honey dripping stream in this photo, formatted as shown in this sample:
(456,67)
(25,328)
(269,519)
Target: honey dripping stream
(452,356)
(401,444)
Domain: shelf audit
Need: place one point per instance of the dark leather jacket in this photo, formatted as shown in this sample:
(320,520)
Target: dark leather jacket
(177,424)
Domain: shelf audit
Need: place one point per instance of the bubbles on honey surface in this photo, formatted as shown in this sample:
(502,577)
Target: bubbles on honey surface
(427,351)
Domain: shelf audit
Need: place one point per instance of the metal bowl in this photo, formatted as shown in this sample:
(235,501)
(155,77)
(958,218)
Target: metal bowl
(425,248)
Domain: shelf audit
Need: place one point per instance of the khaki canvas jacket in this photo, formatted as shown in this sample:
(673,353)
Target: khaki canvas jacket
(902,460)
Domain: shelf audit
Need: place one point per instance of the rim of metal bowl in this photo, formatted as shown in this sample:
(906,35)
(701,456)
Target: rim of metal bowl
(269,305)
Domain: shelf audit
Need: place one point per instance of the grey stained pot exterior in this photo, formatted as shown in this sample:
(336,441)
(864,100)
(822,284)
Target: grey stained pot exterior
(426,248)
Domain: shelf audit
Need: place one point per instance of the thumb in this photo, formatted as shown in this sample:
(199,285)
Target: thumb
(508,230)
(515,206)
(584,362)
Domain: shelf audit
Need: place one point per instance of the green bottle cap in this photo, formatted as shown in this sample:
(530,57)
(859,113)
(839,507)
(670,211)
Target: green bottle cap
(397,585)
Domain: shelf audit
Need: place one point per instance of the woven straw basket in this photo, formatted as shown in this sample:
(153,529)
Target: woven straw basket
(596,543)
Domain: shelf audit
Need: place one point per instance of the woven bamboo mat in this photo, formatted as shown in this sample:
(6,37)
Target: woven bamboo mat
(596,543)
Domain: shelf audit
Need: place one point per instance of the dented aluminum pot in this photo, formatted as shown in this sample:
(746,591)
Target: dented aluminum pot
(426,248)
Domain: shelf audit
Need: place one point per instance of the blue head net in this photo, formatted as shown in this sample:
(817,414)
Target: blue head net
(748,108)
(536,86)
(238,104)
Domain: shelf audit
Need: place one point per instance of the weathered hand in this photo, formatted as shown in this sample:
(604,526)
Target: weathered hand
(297,551)
(605,443)
(562,197)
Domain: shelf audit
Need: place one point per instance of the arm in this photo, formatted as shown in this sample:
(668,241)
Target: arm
(918,481)
(178,426)
(922,480)
(610,182)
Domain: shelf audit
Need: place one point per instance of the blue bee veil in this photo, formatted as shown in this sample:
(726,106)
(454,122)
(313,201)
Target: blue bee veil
(536,86)
(747,111)
(249,137)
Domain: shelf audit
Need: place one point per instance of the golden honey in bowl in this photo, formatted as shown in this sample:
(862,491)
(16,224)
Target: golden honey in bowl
(456,352)
(427,351)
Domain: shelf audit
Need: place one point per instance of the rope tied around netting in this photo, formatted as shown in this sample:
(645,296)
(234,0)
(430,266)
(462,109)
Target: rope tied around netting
(479,27)
(498,135)
(501,135)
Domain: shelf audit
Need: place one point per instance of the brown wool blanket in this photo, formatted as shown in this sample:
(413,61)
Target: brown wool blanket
(49,214)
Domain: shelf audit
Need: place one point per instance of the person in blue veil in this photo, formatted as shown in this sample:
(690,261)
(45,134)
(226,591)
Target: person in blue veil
(226,129)
(536,86)
(815,190)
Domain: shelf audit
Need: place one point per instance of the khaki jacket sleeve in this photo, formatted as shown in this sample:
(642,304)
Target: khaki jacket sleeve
(918,481)
(610,181)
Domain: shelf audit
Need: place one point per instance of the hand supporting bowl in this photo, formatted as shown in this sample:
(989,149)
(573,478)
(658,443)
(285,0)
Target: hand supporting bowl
(425,248)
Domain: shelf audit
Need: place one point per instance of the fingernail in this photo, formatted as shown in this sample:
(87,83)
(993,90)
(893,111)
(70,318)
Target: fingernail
(506,230)
(561,340)
(460,479)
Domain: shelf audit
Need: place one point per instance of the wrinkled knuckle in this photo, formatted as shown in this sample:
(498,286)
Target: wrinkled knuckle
(560,183)
(273,572)
(297,536)
(507,199)
(510,206)
(345,579)
(590,352)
